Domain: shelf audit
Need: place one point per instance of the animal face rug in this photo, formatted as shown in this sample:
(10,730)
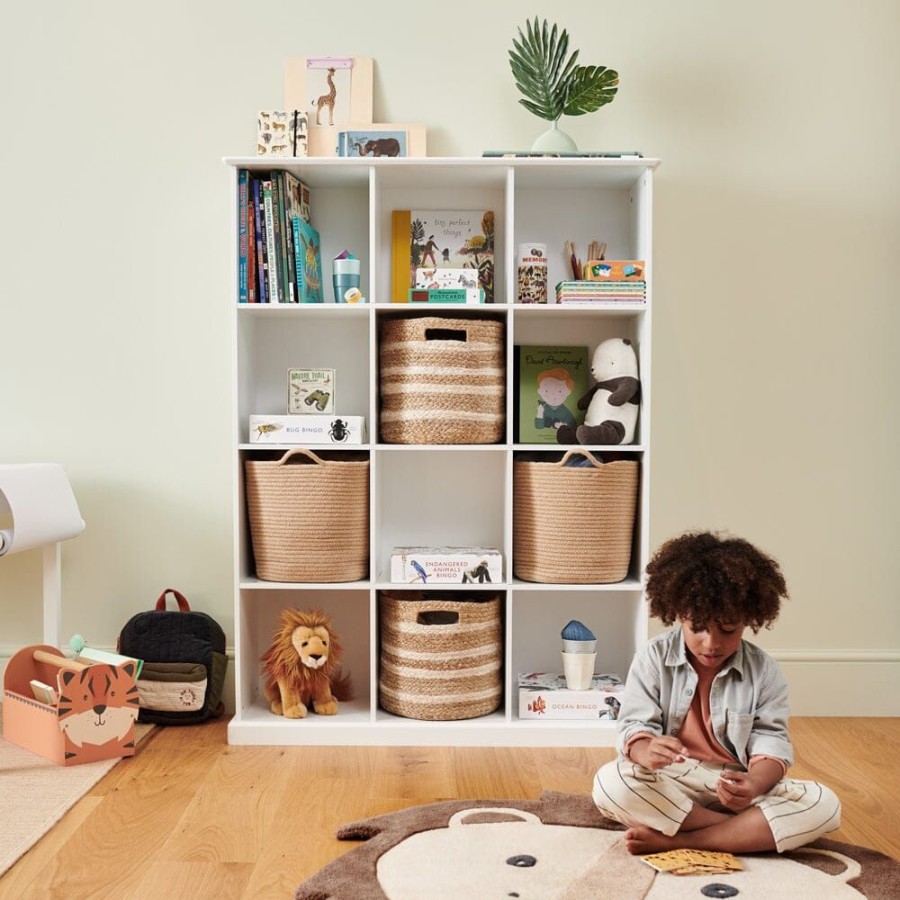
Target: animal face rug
(561,848)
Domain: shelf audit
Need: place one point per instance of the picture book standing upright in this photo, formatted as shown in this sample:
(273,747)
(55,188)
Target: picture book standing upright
(550,380)
(308,259)
(444,242)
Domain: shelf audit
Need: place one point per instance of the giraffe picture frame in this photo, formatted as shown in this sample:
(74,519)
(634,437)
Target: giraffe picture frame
(334,91)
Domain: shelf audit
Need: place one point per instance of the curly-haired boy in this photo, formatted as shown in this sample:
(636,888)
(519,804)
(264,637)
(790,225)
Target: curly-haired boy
(703,745)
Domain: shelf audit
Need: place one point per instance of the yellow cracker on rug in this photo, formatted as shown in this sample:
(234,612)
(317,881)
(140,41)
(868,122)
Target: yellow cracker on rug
(683,858)
(701,870)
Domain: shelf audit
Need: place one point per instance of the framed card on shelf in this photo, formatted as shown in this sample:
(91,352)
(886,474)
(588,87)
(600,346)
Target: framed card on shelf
(333,91)
(381,140)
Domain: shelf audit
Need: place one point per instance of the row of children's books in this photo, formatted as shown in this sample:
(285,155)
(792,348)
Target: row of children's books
(279,249)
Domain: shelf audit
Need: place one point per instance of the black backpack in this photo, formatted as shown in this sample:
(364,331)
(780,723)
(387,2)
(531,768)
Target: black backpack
(184,662)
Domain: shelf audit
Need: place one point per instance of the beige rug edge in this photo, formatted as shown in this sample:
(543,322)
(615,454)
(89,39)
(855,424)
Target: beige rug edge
(35,793)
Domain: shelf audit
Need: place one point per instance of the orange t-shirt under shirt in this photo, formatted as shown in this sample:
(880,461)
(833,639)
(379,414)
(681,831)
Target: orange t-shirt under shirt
(696,732)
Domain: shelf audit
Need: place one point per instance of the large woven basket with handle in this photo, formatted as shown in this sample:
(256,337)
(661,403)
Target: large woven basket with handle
(309,516)
(573,525)
(442,380)
(441,658)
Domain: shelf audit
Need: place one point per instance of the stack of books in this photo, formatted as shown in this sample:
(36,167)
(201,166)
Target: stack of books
(591,293)
(606,281)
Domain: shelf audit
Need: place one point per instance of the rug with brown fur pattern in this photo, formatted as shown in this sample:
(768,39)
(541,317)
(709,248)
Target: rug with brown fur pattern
(561,848)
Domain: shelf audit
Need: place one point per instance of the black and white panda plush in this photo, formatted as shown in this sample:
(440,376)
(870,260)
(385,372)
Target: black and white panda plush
(613,402)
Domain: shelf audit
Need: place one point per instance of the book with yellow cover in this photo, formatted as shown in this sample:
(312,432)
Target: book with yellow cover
(446,239)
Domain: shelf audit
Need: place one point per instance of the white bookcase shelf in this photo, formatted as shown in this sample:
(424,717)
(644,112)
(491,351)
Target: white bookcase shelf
(436,494)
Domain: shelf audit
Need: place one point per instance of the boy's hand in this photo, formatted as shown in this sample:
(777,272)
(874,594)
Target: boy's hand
(657,752)
(736,790)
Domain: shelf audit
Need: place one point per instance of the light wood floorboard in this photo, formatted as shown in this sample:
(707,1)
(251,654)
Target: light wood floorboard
(190,816)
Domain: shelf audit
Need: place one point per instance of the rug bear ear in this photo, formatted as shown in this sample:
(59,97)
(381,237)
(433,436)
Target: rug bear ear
(357,831)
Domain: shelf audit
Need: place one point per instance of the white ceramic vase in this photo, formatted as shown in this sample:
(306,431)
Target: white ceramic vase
(554,140)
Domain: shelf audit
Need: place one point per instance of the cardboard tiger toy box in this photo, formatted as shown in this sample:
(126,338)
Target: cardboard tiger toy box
(93,714)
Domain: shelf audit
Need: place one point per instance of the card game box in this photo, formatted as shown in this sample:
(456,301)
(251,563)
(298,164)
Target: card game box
(543,695)
(307,429)
(446,565)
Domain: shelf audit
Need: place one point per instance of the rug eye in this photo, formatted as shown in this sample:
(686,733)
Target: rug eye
(717,889)
(523,861)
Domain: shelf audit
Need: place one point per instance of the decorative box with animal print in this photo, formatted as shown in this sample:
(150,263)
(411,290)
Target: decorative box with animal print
(544,695)
(92,719)
(282,132)
(446,565)
(307,429)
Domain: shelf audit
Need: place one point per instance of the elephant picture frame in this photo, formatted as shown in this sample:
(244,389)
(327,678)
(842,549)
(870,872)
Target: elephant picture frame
(381,140)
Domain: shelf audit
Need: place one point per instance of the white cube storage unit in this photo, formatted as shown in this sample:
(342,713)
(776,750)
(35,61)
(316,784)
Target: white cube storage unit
(449,494)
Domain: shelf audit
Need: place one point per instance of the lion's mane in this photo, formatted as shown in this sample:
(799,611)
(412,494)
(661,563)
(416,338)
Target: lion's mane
(281,661)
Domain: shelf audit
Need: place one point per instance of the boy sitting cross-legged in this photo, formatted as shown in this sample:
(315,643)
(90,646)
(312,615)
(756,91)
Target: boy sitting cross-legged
(703,745)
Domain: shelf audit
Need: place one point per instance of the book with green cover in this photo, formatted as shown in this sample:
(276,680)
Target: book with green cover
(550,381)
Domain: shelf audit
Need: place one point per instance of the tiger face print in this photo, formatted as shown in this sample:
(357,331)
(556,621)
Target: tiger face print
(97,705)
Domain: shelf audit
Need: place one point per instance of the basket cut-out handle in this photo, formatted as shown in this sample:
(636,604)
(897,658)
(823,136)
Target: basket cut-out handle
(301,451)
(586,454)
(446,334)
(437,617)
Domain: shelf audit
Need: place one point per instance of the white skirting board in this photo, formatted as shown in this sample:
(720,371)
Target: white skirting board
(822,682)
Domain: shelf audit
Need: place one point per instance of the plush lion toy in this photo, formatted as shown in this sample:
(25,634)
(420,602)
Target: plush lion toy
(302,667)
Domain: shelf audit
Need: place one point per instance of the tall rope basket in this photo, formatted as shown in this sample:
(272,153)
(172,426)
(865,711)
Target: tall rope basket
(309,517)
(573,524)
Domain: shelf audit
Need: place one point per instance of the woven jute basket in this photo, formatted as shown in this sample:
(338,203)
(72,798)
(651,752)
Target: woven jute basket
(573,525)
(442,380)
(309,517)
(440,658)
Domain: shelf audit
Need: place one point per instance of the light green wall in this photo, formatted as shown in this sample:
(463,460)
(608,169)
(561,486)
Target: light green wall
(777,319)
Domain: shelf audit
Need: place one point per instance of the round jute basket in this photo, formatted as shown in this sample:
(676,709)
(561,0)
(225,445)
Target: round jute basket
(441,380)
(440,658)
(573,525)
(309,517)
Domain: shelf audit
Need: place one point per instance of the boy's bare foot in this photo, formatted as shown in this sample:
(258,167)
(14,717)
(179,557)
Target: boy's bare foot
(642,839)
(747,832)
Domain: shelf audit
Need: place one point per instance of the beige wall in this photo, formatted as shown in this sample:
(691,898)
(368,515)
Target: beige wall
(777,318)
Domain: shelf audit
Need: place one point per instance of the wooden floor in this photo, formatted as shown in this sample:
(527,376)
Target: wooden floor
(191,817)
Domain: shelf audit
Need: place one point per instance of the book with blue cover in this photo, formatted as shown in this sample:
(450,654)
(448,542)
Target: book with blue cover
(307,261)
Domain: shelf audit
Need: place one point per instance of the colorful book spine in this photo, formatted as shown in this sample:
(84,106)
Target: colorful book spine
(258,220)
(287,241)
(271,254)
(252,290)
(279,240)
(243,218)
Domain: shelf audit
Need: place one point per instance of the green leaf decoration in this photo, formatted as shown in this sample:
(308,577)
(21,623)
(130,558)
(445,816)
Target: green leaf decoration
(541,68)
(548,76)
(590,88)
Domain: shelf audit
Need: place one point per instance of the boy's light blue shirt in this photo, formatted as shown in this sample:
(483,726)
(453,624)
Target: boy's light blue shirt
(747,700)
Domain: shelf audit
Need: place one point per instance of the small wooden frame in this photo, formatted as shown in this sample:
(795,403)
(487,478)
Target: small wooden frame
(307,86)
(380,140)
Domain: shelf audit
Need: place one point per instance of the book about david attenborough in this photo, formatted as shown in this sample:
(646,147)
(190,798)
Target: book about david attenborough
(550,381)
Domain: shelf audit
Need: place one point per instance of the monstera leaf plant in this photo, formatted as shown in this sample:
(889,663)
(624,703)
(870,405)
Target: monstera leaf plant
(553,83)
